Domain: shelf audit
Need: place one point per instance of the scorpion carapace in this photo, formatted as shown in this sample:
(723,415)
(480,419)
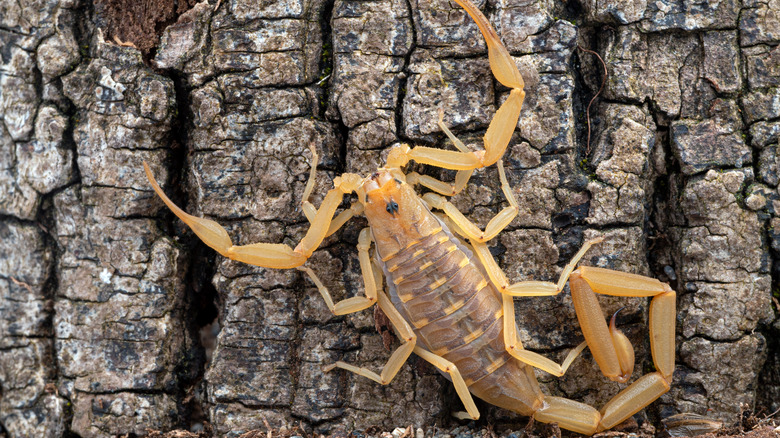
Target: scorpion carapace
(447,298)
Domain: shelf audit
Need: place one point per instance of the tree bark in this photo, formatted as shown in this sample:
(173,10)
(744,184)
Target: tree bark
(116,320)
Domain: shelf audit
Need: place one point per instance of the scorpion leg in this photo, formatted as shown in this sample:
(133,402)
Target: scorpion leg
(441,187)
(528,288)
(515,348)
(465,226)
(354,304)
(355,209)
(310,211)
(457,380)
(399,356)
(267,255)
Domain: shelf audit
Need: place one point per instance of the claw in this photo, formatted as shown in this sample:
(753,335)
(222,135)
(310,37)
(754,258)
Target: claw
(501,62)
(269,255)
(210,232)
(504,69)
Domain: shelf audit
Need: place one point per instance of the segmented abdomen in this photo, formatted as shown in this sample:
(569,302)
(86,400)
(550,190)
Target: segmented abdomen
(456,313)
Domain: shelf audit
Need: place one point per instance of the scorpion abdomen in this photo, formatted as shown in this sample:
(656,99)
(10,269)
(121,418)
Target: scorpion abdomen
(439,287)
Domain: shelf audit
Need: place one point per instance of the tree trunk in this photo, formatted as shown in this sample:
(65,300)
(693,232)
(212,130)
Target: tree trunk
(116,320)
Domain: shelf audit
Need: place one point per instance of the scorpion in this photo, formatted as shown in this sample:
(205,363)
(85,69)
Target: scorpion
(447,299)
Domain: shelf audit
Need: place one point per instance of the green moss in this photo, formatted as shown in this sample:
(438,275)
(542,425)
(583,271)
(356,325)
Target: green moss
(326,62)
(585,167)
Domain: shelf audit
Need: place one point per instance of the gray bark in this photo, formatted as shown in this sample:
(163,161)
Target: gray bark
(116,320)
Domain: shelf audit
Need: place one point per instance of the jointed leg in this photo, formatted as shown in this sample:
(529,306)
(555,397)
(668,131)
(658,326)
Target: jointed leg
(372,284)
(469,230)
(399,356)
(496,139)
(354,304)
(515,348)
(438,186)
(528,288)
(457,380)
(308,208)
(355,209)
(441,187)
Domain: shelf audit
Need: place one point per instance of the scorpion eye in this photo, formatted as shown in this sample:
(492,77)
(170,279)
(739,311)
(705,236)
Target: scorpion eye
(392,207)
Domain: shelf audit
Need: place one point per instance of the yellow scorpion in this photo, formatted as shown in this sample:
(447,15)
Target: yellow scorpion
(449,301)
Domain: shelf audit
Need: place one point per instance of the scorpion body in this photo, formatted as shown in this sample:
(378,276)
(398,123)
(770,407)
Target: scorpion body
(437,284)
(447,299)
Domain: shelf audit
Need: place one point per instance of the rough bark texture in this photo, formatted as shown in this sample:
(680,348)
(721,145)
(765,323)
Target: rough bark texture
(115,320)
